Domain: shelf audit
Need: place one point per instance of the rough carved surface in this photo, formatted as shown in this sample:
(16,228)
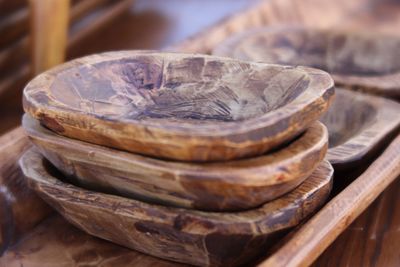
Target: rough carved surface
(358,124)
(179,106)
(355,59)
(190,236)
(233,185)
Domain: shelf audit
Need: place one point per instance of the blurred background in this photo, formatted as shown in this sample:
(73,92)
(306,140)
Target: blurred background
(38,34)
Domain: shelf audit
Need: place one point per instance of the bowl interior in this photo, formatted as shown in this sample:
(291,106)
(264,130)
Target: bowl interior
(191,89)
(336,52)
(348,115)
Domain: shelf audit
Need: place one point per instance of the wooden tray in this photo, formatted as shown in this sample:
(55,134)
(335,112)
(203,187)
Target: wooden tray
(303,245)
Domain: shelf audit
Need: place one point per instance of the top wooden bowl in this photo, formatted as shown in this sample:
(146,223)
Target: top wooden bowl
(178,106)
(364,61)
(358,125)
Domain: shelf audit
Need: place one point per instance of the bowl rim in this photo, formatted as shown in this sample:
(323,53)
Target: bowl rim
(320,88)
(385,84)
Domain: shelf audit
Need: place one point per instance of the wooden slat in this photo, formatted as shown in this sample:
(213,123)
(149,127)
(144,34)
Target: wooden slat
(13,26)
(10,6)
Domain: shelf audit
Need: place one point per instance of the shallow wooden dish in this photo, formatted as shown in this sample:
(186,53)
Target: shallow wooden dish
(233,185)
(178,106)
(358,124)
(365,61)
(189,236)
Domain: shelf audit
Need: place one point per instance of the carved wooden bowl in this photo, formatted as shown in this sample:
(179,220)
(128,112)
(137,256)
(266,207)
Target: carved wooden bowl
(189,236)
(357,60)
(178,106)
(358,124)
(232,185)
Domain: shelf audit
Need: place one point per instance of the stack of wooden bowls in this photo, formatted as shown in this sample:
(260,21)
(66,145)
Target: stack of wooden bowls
(192,158)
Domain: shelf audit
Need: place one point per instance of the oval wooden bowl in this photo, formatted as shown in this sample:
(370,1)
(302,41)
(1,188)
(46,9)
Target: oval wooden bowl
(365,61)
(358,124)
(178,106)
(233,185)
(189,236)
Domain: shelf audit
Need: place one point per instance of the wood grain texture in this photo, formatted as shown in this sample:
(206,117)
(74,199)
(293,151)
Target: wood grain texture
(20,208)
(372,239)
(234,185)
(189,236)
(319,232)
(358,125)
(359,60)
(55,242)
(179,106)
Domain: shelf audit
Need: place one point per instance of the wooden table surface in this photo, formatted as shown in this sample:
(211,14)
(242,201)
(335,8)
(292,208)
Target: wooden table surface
(373,239)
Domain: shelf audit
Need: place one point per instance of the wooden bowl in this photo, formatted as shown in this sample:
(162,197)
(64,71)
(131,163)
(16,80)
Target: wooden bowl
(178,106)
(358,124)
(189,236)
(232,185)
(365,61)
